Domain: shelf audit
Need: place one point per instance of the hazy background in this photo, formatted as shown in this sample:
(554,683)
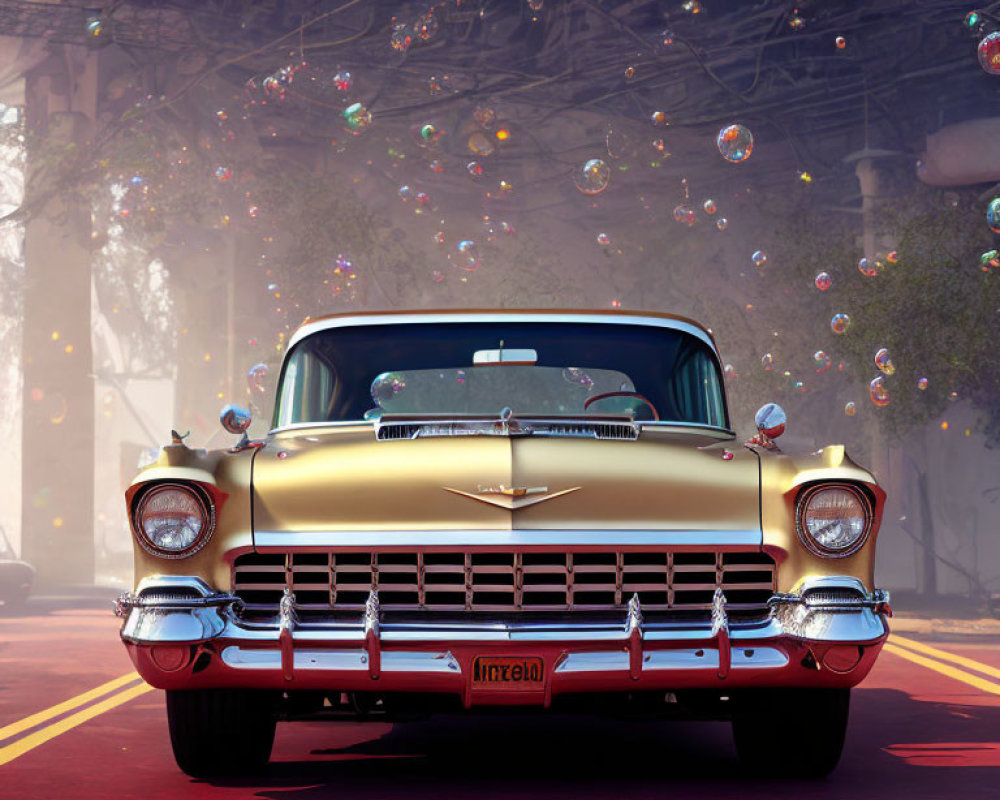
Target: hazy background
(184,182)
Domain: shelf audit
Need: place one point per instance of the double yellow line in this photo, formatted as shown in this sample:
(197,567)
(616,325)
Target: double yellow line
(954,666)
(118,691)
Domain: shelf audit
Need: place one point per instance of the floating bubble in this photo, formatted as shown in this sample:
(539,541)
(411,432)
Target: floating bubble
(437,276)
(922,384)
(759,258)
(603,238)
(386,386)
(475,169)
(405,192)
(884,362)
(850,409)
(439,84)
(421,199)
(536,5)
(223,173)
(629,73)
(578,377)
(667,37)
(485,116)
(822,361)
(401,37)
(730,372)
(767,362)
(710,207)
(436,166)
(506,227)
(253,211)
(722,223)
(735,143)
(993,211)
(343,81)
(659,119)
(426,27)
(272,287)
(840,323)
(868,266)
(344,266)
(426,134)
(823,281)
(841,42)
(594,177)
(989,259)
(692,7)
(357,118)
(796,23)
(972,19)
(468,255)
(439,237)
(257,379)
(878,392)
(684,213)
(892,256)
(989,53)
(480,144)
(659,145)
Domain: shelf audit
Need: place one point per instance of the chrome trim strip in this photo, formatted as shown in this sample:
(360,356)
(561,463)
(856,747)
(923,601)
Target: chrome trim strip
(291,427)
(280,541)
(408,318)
(744,658)
(340,661)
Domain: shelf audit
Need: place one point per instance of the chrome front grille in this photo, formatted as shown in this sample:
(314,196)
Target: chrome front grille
(622,431)
(504,581)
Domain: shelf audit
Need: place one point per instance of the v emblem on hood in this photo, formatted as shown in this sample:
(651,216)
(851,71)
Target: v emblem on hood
(511,497)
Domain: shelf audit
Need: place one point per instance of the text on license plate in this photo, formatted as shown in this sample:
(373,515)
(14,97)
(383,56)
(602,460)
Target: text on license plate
(502,672)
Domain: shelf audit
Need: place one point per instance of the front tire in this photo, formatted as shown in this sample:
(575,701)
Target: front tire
(790,732)
(221,731)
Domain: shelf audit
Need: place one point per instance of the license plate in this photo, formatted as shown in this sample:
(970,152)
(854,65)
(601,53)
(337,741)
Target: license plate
(502,672)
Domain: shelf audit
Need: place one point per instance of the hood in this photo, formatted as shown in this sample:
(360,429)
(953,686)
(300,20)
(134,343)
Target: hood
(342,479)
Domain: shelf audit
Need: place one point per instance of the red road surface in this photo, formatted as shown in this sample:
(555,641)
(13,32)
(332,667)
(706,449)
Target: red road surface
(914,733)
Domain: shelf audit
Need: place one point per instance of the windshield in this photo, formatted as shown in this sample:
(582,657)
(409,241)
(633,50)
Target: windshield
(648,372)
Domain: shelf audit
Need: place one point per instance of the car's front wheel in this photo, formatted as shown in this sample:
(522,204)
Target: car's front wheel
(797,732)
(221,731)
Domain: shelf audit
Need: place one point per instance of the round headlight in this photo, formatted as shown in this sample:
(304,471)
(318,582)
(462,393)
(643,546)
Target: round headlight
(173,521)
(833,520)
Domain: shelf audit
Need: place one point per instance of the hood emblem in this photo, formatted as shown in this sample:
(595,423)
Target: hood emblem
(511,497)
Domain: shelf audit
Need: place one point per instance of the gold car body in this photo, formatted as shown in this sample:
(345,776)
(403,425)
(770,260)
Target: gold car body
(311,494)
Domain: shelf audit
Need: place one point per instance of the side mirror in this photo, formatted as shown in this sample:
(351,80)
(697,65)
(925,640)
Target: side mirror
(770,421)
(235,419)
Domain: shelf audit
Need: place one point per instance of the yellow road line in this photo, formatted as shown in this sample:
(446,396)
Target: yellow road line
(68,705)
(944,669)
(944,655)
(33,740)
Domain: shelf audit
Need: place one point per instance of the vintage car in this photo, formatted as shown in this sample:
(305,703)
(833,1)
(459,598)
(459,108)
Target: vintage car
(16,577)
(532,509)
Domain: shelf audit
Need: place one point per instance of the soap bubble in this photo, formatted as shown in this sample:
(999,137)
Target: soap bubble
(989,259)
(386,386)
(850,409)
(710,207)
(840,323)
(884,362)
(257,379)
(223,173)
(892,256)
(841,42)
(485,116)
(722,223)
(735,143)
(659,119)
(426,27)
(343,81)
(629,73)
(468,255)
(759,258)
(603,238)
(730,372)
(822,360)
(401,38)
(823,281)
(357,118)
(972,20)
(593,178)
(405,192)
(436,166)
(437,276)
(989,53)
(922,384)
(667,37)
(480,144)
(439,237)
(878,392)
(993,211)
(868,266)
(659,145)
(767,362)
(684,213)
(426,134)
(475,169)
(578,377)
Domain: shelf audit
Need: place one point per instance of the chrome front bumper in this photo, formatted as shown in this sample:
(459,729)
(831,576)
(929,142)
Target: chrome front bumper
(180,635)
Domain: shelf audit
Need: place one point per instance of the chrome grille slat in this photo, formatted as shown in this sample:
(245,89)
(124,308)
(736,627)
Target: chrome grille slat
(527,581)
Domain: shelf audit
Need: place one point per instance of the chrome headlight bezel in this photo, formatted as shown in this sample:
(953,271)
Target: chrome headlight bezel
(201,497)
(806,538)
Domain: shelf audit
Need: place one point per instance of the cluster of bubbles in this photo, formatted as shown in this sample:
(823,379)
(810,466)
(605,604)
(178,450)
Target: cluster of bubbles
(735,143)
(593,178)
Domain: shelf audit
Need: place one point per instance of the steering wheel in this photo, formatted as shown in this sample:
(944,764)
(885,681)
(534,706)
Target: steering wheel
(596,397)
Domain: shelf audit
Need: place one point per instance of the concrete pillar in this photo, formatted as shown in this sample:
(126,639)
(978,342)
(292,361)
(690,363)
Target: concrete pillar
(57,481)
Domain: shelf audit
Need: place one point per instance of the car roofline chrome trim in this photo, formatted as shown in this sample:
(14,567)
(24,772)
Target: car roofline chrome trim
(348,423)
(275,541)
(411,317)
